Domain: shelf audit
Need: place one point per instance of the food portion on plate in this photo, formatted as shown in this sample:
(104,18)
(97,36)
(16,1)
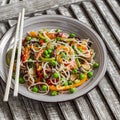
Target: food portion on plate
(55,62)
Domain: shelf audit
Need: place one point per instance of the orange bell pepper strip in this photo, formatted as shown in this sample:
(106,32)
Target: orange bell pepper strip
(61,47)
(41,41)
(83,47)
(51,35)
(33,34)
(64,48)
(63,88)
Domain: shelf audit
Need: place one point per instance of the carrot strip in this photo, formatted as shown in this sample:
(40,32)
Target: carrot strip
(39,54)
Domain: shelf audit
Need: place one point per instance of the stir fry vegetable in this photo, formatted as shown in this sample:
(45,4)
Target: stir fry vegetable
(53,62)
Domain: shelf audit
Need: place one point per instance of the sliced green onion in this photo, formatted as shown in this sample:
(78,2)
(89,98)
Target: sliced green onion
(46,59)
(77,62)
(80,49)
(41,36)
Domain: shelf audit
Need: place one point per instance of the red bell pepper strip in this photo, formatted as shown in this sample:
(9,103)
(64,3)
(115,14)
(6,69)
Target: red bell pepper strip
(25,54)
(41,41)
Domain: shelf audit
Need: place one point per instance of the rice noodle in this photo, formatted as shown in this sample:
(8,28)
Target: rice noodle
(55,52)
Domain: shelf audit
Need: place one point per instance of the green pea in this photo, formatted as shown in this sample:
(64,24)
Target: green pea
(96,65)
(55,75)
(47,56)
(66,83)
(90,74)
(46,52)
(46,40)
(54,93)
(21,80)
(53,62)
(44,87)
(28,38)
(80,49)
(72,35)
(75,71)
(70,82)
(50,51)
(58,38)
(81,76)
(72,90)
(35,89)
(58,30)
